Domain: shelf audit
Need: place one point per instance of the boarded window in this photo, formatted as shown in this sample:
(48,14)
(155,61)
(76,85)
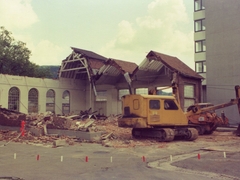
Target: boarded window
(66,102)
(33,101)
(50,101)
(13,99)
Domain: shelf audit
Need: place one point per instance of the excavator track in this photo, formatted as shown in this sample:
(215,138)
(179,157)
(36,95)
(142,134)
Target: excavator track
(191,134)
(165,134)
(161,134)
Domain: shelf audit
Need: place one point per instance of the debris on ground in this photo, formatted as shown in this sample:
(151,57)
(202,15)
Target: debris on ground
(10,117)
(111,134)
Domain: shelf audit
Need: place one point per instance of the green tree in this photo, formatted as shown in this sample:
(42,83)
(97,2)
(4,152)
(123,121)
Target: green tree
(14,58)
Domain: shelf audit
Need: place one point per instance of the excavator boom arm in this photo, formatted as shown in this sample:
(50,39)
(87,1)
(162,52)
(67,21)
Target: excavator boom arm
(197,110)
(219,106)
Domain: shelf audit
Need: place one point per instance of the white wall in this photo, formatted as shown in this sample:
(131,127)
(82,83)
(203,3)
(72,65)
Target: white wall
(76,89)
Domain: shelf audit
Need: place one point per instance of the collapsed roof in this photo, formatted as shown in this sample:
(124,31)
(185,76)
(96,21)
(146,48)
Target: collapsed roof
(84,64)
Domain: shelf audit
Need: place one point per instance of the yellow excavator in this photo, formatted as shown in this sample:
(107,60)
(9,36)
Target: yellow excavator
(155,116)
(161,117)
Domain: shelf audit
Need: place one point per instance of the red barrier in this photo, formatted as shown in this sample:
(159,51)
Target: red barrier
(86,159)
(143,159)
(22,129)
(198,156)
(38,157)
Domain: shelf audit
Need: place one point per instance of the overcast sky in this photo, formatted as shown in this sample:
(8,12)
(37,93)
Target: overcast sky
(120,29)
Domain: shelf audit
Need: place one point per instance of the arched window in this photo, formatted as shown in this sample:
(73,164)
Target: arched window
(33,100)
(13,99)
(66,102)
(50,101)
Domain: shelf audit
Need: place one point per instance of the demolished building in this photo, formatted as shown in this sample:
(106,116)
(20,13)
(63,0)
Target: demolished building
(89,80)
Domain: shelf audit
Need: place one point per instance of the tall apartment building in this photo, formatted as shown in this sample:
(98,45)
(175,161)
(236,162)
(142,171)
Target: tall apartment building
(217,50)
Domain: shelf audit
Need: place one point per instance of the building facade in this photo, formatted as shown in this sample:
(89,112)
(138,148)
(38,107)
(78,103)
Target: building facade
(217,42)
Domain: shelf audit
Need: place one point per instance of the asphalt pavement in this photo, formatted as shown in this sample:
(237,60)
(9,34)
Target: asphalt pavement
(93,161)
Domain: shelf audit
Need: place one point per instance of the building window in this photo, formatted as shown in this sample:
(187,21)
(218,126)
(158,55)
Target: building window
(13,99)
(65,102)
(166,91)
(200,46)
(199,5)
(142,91)
(101,96)
(188,96)
(50,101)
(200,67)
(122,92)
(187,103)
(199,25)
(33,101)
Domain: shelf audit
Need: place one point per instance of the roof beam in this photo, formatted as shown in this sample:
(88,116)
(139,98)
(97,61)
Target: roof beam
(73,69)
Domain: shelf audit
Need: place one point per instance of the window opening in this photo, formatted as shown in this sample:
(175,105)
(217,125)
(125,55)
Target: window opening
(33,101)
(142,91)
(200,46)
(189,95)
(122,92)
(199,5)
(13,99)
(199,25)
(50,101)
(200,67)
(66,102)
(101,96)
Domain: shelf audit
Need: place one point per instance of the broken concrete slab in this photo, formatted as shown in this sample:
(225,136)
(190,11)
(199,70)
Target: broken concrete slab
(81,135)
(60,142)
(36,131)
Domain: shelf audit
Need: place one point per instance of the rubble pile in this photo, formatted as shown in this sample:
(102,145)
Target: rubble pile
(14,136)
(10,117)
(111,134)
(118,137)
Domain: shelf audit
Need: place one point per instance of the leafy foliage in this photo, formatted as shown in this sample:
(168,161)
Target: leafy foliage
(14,58)
(49,71)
